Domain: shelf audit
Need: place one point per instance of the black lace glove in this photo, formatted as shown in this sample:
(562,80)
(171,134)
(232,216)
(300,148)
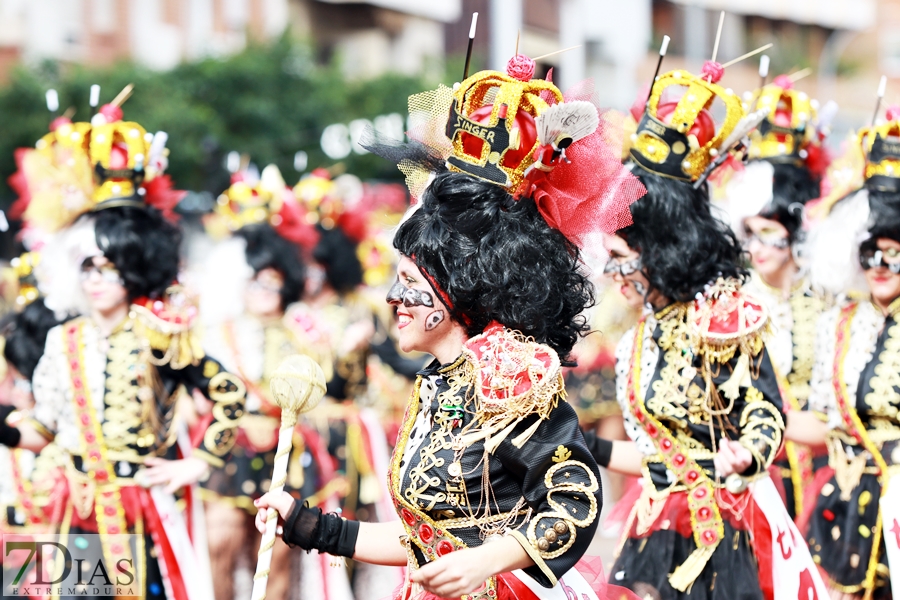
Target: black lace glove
(599,448)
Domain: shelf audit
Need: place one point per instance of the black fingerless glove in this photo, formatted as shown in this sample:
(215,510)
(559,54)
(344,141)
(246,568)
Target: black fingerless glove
(599,448)
(311,529)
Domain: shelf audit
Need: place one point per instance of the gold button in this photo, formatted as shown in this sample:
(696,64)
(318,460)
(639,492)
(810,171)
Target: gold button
(560,527)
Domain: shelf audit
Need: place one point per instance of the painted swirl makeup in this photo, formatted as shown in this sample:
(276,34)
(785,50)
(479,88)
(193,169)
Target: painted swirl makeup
(400,294)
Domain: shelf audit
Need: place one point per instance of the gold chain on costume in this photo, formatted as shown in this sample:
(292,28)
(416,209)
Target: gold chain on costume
(108,508)
(855,427)
(706,520)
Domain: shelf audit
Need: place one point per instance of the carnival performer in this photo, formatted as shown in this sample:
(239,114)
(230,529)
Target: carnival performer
(247,281)
(852,518)
(694,379)
(27,486)
(497,493)
(104,389)
(765,203)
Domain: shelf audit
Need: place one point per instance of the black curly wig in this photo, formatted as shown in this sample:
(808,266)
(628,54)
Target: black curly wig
(884,218)
(336,252)
(142,245)
(268,250)
(683,246)
(793,186)
(498,260)
(26,334)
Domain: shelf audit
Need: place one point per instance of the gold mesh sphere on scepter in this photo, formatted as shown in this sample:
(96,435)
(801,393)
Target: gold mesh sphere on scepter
(298,385)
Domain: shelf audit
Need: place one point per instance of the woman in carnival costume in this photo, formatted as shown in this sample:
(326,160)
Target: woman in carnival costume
(105,387)
(497,493)
(246,282)
(28,485)
(695,382)
(852,515)
(765,202)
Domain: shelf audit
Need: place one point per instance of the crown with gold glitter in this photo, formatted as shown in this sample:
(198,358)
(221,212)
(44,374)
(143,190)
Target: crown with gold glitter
(320,195)
(492,122)
(248,202)
(785,134)
(881,145)
(677,136)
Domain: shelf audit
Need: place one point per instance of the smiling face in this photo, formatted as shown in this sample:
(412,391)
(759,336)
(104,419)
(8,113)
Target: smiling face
(769,247)
(884,284)
(263,295)
(102,284)
(423,320)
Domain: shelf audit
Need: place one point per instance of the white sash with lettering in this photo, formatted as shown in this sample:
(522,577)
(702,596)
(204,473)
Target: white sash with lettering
(794,574)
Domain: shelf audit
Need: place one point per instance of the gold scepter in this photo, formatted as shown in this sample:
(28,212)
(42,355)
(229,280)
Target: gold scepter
(298,385)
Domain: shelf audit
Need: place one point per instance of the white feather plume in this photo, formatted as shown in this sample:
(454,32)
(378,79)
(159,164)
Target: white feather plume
(59,271)
(832,247)
(220,278)
(747,193)
(576,120)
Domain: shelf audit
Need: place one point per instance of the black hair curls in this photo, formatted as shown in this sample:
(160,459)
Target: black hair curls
(268,250)
(792,187)
(683,246)
(142,245)
(336,252)
(498,260)
(884,217)
(26,335)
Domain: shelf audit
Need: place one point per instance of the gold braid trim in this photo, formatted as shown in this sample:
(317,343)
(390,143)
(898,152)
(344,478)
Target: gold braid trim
(171,336)
(227,393)
(805,312)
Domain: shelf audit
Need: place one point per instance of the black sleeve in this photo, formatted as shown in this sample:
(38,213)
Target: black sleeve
(599,448)
(560,482)
(9,435)
(228,395)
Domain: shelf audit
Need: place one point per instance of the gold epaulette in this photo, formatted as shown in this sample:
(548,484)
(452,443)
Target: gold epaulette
(167,326)
(727,319)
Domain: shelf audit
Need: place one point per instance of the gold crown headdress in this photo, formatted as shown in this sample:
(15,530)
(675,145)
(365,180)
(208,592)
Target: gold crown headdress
(786,134)
(249,203)
(319,194)
(881,145)
(80,167)
(22,277)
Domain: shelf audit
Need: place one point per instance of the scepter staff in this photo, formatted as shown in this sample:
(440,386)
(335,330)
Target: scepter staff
(298,385)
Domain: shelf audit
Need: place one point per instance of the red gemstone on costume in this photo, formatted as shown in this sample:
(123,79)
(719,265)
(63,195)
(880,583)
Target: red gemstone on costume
(652,430)
(27,505)
(74,364)
(85,420)
(110,510)
(678,460)
(408,517)
(828,515)
(102,475)
(94,455)
(426,533)
(80,401)
(444,547)
(492,593)
(700,493)
(113,530)
(704,513)
(709,536)
(76,382)
(640,417)
(692,476)
(73,329)
(89,438)
(666,444)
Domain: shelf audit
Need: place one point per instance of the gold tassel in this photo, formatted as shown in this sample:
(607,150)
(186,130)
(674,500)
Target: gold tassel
(740,376)
(687,572)
(495,440)
(523,437)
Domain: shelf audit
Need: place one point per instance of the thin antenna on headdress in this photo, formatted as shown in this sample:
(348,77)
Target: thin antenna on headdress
(763,70)
(95,99)
(471,41)
(52,100)
(664,47)
(748,55)
(801,74)
(518,33)
(123,95)
(537,58)
(718,36)
(70,112)
(882,88)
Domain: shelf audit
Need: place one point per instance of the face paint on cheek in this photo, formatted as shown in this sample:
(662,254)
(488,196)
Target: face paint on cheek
(433,320)
(418,298)
(639,288)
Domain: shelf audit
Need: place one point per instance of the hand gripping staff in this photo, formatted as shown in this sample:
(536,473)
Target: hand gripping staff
(298,385)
